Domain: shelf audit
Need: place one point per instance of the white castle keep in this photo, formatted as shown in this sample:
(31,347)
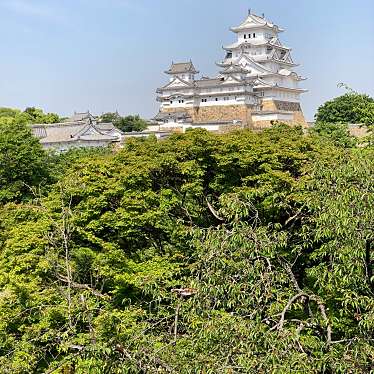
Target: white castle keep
(255,87)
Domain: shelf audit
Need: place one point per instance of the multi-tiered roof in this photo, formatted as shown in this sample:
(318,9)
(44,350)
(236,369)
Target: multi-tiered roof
(258,44)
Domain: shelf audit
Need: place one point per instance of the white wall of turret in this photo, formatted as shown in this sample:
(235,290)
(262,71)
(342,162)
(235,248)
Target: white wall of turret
(277,94)
(188,77)
(214,100)
(282,81)
(256,34)
(181,97)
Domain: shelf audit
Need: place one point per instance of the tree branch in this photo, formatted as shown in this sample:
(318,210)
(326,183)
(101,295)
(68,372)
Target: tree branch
(213,211)
(320,304)
(287,307)
(264,259)
(80,286)
(368,263)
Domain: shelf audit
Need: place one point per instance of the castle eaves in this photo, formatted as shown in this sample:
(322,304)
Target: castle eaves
(254,22)
(182,67)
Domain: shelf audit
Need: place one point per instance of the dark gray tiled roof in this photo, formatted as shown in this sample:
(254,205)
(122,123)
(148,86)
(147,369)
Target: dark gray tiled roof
(161,116)
(71,132)
(234,69)
(77,117)
(105,126)
(182,67)
(208,82)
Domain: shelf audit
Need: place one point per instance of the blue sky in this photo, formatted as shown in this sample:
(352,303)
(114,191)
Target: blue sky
(103,55)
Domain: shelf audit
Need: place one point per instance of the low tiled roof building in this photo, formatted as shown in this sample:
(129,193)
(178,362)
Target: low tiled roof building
(79,131)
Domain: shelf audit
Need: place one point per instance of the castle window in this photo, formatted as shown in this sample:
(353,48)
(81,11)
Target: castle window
(171,101)
(216,98)
(204,100)
(245,36)
(254,35)
(249,36)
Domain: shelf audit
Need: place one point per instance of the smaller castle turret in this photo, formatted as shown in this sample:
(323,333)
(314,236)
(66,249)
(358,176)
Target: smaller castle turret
(182,70)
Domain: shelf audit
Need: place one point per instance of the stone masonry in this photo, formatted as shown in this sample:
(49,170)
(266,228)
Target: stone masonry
(218,113)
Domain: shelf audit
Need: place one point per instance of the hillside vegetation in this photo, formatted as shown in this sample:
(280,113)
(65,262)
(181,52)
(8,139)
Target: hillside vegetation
(238,253)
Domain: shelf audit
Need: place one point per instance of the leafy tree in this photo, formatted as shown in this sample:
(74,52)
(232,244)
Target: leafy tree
(131,123)
(22,160)
(126,124)
(37,116)
(29,115)
(8,112)
(350,108)
(60,163)
(110,117)
(338,133)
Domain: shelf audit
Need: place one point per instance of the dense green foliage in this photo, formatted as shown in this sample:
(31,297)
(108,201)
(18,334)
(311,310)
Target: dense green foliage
(238,253)
(109,117)
(126,124)
(22,160)
(338,133)
(29,115)
(350,108)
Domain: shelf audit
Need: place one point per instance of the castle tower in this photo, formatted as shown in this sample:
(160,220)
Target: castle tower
(184,71)
(260,52)
(256,84)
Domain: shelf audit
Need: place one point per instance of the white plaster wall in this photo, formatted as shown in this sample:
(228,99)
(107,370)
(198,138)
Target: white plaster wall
(260,34)
(272,117)
(66,146)
(275,94)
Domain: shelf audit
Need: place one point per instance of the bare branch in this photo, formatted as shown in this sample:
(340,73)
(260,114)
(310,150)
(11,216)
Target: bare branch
(80,286)
(213,211)
(293,299)
(264,259)
(369,263)
(290,273)
(176,321)
(293,217)
(322,308)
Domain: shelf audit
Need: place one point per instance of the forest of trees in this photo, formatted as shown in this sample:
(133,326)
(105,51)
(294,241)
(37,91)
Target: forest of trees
(203,253)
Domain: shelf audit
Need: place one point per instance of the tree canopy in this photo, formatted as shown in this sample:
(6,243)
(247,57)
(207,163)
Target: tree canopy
(338,133)
(203,253)
(30,115)
(126,124)
(351,108)
(22,159)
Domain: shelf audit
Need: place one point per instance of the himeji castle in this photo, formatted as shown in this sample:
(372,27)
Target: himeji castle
(255,86)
